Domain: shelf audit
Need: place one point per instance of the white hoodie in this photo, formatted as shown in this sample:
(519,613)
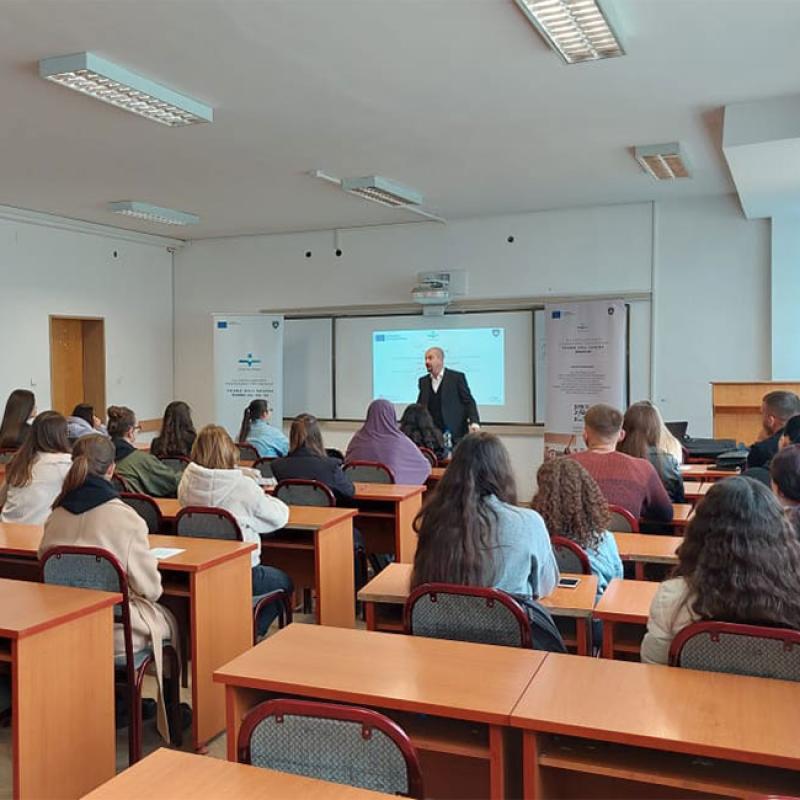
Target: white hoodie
(30,505)
(255,511)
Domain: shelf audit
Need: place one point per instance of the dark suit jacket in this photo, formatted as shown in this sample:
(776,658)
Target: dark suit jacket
(458,405)
(302,463)
(761,453)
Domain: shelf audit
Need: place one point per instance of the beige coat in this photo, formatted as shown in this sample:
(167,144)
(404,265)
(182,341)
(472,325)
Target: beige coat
(116,527)
(670,613)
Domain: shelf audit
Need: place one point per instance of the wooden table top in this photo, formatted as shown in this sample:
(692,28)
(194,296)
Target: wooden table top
(437,473)
(628,601)
(317,518)
(393,585)
(692,489)
(185,776)
(649,547)
(681,512)
(705,472)
(475,682)
(27,608)
(199,554)
(20,540)
(394,492)
(667,708)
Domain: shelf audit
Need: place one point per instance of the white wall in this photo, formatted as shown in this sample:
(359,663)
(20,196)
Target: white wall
(49,271)
(785,281)
(711,308)
(711,304)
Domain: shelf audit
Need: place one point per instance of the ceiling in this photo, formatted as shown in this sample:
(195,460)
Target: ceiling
(460,99)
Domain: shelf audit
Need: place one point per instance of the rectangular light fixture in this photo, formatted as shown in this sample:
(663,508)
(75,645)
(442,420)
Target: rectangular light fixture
(94,76)
(577,30)
(664,162)
(151,213)
(382,190)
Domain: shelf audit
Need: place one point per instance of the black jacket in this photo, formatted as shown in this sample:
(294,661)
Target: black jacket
(761,453)
(459,409)
(303,463)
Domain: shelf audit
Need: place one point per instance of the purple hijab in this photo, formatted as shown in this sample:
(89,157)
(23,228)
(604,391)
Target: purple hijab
(380,439)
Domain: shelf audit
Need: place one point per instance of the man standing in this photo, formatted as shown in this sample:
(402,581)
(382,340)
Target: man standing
(446,395)
(777,408)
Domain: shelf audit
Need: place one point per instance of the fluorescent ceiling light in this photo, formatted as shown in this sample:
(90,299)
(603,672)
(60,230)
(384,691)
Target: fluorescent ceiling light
(577,30)
(151,213)
(382,190)
(94,76)
(663,162)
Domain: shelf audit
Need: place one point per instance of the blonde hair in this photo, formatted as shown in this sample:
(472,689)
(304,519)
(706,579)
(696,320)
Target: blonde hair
(91,455)
(214,449)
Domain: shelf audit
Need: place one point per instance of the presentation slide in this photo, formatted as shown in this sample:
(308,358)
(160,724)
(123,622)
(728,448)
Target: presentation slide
(398,359)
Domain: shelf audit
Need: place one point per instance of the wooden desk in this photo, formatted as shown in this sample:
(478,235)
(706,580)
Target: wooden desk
(681,514)
(625,602)
(322,558)
(183,776)
(386,593)
(59,642)
(705,472)
(452,698)
(647,548)
(437,473)
(386,514)
(636,730)
(209,585)
(692,490)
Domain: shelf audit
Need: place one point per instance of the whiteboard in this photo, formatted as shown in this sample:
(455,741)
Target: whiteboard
(353,350)
(308,367)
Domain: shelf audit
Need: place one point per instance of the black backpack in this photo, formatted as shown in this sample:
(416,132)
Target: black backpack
(544,632)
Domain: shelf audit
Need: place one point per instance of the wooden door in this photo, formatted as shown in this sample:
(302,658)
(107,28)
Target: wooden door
(77,363)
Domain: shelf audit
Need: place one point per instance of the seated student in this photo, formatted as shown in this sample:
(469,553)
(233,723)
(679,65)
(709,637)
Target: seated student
(739,562)
(141,471)
(417,424)
(213,480)
(777,408)
(572,505)
(36,473)
(177,432)
(643,429)
(83,422)
(471,531)
(89,513)
(307,459)
(268,440)
(15,427)
(625,481)
(379,439)
(791,433)
(784,473)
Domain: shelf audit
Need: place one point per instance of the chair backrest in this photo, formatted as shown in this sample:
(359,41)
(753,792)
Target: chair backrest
(300,492)
(369,472)
(247,452)
(466,613)
(622,521)
(336,743)
(92,568)
(178,463)
(332,452)
(207,523)
(6,454)
(741,649)
(120,484)
(264,466)
(146,508)
(430,455)
(570,556)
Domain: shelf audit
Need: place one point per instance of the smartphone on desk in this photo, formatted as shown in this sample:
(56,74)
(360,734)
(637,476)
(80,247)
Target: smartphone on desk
(568,583)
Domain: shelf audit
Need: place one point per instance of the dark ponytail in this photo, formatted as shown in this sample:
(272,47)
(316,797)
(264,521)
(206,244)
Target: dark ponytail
(91,455)
(254,411)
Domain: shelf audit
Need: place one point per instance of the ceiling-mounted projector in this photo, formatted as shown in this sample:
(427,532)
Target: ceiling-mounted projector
(434,290)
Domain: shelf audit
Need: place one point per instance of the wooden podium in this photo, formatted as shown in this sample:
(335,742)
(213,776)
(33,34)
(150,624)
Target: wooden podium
(737,407)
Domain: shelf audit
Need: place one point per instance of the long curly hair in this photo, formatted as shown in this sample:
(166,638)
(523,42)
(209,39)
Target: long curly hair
(741,557)
(457,527)
(570,502)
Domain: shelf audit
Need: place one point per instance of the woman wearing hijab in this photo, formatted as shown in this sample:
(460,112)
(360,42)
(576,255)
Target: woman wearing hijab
(380,439)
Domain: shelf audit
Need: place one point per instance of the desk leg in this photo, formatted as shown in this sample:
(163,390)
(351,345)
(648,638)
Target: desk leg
(583,635)
(531,774)
(638,568)
(608,639)
(370,610)
(63,708)
(335,576)
(497,763)
(222,628)
(405,537)
(238,702)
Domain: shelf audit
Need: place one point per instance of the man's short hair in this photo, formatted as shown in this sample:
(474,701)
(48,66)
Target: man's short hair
(792,429)
(783,405)
(436,350)
(604,420)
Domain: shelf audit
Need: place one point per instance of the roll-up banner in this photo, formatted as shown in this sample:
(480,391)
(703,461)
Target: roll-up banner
(248,364)
(585,365)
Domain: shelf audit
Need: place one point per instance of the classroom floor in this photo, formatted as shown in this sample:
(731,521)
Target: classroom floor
(152,741)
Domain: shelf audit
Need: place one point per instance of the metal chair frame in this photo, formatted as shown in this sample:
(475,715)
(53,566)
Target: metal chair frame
(247,452)
(351,465)
(626,515)
(150,503)
(562,542)
(318,486)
